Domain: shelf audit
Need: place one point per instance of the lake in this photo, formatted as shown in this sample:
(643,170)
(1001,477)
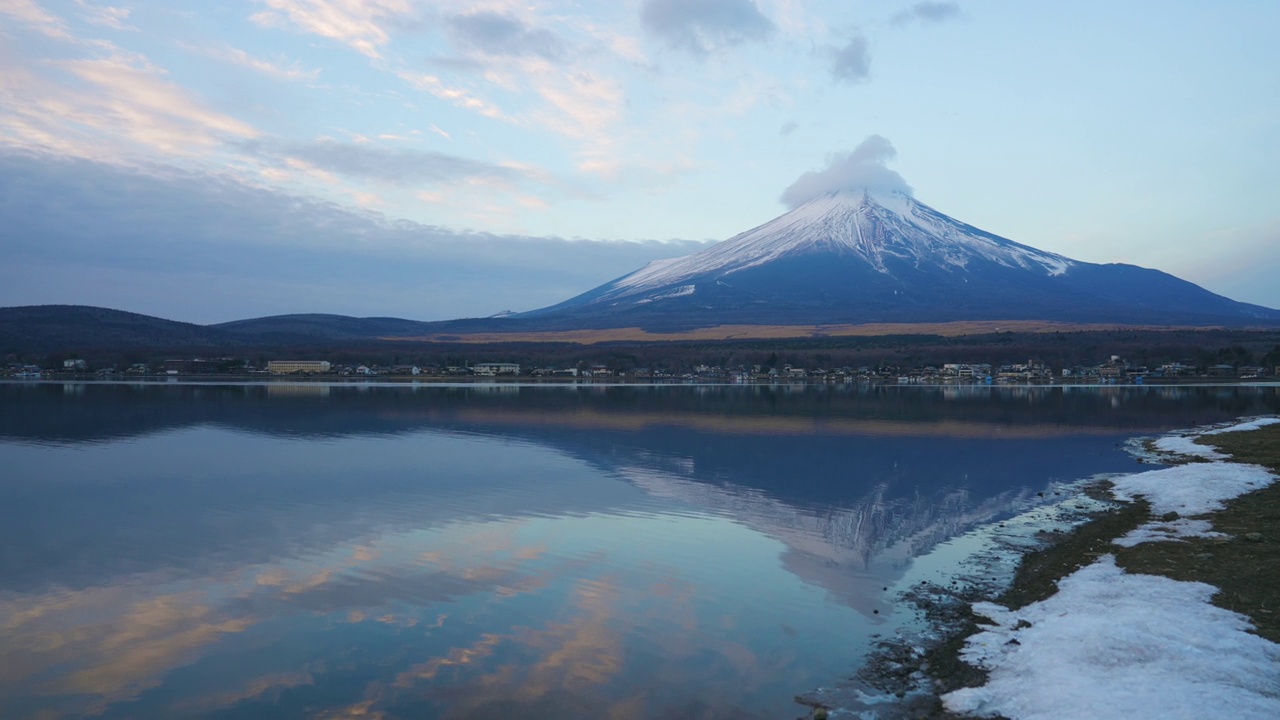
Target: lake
(428,551)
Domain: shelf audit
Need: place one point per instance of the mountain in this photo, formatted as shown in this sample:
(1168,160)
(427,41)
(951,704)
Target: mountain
(843,258)
(319,327)
(40,328)
(74,328)
(884,257)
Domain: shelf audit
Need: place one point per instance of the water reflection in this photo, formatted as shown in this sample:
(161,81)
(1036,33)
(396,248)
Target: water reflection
(307,551)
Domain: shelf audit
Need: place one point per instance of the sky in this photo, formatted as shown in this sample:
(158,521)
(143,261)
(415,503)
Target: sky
(436,159)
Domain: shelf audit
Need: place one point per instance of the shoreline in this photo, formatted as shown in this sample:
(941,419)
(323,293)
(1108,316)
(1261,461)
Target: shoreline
(1231,555)
(465,380)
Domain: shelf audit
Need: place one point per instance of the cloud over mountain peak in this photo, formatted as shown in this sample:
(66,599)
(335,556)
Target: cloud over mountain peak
(863,168)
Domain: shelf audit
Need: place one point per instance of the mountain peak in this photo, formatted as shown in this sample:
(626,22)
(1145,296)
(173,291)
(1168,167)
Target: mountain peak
(883,256)
(883,229)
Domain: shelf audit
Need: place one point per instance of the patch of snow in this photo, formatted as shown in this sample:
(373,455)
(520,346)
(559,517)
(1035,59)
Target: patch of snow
(1254,424)
(678,292)
(1185,445)
(1174,531)
(1114,645)
(1192,489)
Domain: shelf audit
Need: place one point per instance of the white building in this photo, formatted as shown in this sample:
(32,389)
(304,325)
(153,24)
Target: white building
(490,369)
(285,367)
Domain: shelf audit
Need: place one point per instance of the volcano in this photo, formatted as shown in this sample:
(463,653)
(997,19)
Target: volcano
(883,257)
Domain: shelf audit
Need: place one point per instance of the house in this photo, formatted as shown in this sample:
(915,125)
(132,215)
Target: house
(1222,371)
(1176,369)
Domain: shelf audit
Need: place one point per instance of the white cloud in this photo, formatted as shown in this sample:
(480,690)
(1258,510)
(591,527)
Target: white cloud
(455,95)
(389,165)
(236,56)
(29,13)
(362,25)
(106,15)
(100,107)
(863,168)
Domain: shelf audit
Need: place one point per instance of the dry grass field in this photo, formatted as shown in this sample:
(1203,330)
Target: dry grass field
(778,332)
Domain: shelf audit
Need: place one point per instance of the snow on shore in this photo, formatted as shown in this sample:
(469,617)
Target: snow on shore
(1111,644)
(1192,489)
(1183,443)
(1114,645)
(1249,425)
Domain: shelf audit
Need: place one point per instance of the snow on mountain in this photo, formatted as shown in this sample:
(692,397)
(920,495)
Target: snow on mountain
(874,227)
(879,256)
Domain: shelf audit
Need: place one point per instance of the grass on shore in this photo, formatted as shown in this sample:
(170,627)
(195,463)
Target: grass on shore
(1246,567)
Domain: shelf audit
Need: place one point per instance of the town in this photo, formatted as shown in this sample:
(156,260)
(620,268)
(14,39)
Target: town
(1115,370)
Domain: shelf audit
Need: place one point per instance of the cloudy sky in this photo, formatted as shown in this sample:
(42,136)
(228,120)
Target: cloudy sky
(434,159)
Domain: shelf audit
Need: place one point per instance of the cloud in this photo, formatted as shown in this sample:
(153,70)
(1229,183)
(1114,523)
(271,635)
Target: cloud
(106,16)
(207,248)
(788,128)
(236,56)
(700,26)
(95,107)
(28,12)
(851,63)
(395,166)
(492,33)
(359,24)
(863,168)
(927,12)
(457,96)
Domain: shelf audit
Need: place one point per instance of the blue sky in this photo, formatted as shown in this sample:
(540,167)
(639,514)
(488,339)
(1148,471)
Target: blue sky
(212,161)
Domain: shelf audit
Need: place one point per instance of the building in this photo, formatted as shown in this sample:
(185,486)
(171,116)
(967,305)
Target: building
(498,368)
(285,367)
(74,365)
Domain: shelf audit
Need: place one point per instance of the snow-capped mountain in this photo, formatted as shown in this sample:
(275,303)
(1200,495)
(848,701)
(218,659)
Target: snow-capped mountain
(880,230)
(856,257)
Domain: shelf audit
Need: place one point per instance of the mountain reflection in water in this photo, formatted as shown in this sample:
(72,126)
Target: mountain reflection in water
(423,551)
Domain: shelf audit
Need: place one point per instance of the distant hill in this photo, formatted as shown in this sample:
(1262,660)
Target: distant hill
(63,328)
(42,328)
(313,328)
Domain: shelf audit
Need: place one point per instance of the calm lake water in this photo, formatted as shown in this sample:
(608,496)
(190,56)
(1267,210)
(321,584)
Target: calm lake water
(282,551)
